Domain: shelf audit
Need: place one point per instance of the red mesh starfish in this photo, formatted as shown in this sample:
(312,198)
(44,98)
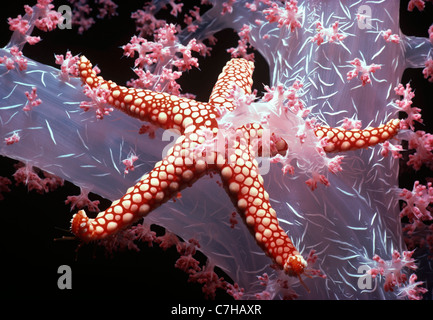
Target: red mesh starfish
(236,164)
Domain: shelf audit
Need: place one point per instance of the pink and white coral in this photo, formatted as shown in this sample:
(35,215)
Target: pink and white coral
(362,68)
(82,200)
(160,63)
(330,34)
(393,271)
(417,202)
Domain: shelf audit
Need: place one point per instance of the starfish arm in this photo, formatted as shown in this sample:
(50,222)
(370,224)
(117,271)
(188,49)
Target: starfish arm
(161,109)
(237,72)
(245,187)
(344,140)
(175,172)
(339,140)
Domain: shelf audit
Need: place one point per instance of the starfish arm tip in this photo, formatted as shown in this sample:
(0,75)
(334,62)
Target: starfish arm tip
(295,265)
(80,226)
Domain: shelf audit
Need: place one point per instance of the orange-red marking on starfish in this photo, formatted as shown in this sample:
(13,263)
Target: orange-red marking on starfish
(344,140)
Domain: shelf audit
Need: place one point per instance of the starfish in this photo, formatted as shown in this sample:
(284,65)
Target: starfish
(181,166)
